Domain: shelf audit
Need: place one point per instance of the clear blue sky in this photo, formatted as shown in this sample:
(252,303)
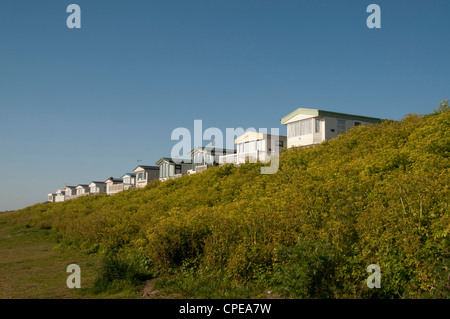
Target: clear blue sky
(78,105)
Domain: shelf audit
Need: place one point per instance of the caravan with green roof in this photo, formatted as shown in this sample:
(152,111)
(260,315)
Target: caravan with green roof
(307,127)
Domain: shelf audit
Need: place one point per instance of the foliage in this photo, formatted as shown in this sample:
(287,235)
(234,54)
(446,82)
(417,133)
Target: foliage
(376,194)
(118,273)
(307,270)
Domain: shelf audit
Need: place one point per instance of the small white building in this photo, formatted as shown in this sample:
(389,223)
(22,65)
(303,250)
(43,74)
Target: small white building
(82,190)
(145,174)
(311,126)
(114,185)
(59,196)
(51,197)
(205,157)
(97,188)
(255,146)
(168,169)
(129,181)
(70,192)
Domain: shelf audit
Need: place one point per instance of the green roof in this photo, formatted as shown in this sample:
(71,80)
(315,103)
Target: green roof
(315,112)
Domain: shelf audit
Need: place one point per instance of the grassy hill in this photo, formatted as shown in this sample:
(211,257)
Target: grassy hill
(374,195)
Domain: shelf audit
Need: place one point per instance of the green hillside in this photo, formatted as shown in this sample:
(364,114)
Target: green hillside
(375,195)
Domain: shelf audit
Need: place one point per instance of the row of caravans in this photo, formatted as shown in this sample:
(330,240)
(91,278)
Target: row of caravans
(305,127)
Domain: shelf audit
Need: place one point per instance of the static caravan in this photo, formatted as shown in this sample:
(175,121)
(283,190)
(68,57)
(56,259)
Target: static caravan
(51,197)
(255,146)
(97,188)
(114,185)
(145,174)
(205,157)
(129,181)
(82,190)
(59,196)
(168,169)
(70,192)
(307,127)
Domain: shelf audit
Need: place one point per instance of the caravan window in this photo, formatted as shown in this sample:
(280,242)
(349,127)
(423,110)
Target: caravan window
(299,128)
(252,146)
(317,125)
(341,126)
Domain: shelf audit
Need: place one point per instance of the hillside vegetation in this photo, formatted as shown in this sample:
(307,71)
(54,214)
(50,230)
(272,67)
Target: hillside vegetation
(377,194)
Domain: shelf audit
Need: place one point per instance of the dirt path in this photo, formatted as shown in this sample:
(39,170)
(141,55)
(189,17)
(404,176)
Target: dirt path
(149,292)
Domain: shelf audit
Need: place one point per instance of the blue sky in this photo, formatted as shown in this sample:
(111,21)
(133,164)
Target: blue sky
(78,105)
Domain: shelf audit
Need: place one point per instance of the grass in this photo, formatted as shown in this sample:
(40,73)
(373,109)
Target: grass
(33,267)
(119,275)
(209,288)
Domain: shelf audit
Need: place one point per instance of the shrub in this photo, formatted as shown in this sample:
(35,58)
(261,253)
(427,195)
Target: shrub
(307,270)
(118,273)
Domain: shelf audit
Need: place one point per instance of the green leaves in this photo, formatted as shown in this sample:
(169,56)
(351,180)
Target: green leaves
(377,194)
